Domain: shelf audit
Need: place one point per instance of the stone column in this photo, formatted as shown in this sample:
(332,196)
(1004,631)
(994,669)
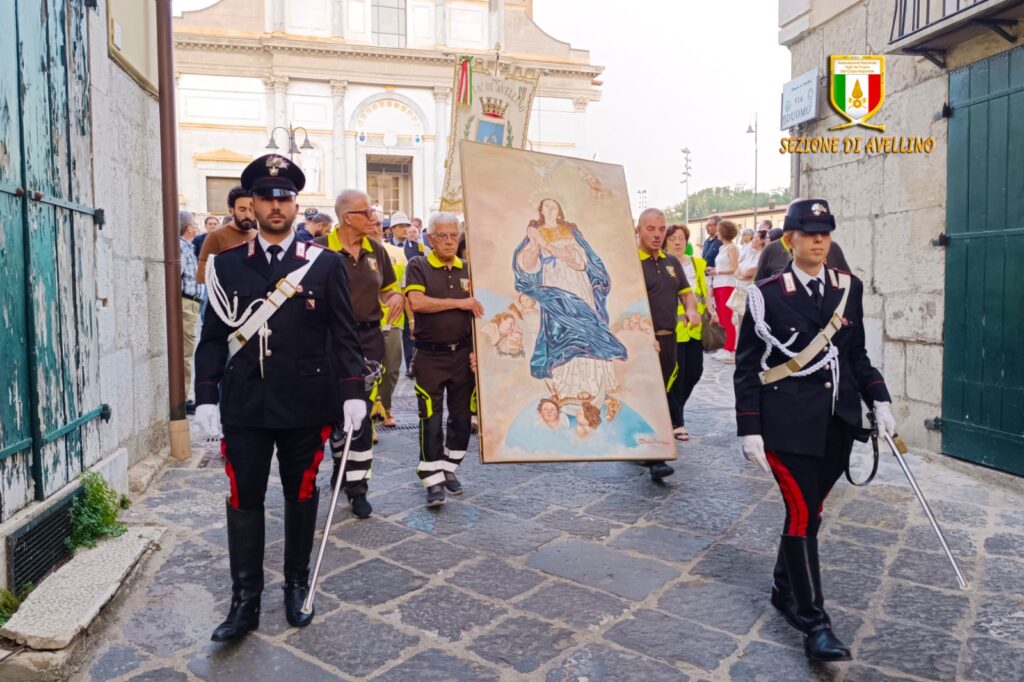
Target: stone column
(339,17)
(280,86)
(278,23)
(440,23)
(579,105)
(338,175)
(496,24)
(442,105)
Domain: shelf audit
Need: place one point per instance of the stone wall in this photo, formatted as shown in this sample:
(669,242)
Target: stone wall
(888,207)
(129,256)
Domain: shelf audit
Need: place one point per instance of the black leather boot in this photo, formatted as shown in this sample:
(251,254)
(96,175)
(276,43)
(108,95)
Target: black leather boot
(782,593)
(299,526)
(801,558)
(245,551)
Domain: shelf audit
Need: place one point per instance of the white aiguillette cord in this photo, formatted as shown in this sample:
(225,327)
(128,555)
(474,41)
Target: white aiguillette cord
(755,303)
(254,318)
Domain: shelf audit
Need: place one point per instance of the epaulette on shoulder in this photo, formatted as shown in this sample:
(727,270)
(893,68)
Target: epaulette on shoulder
(762,283)
(238,248)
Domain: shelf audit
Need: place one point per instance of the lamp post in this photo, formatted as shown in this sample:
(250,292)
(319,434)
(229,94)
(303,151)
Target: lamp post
(753,129)
(292,147)
(686,181)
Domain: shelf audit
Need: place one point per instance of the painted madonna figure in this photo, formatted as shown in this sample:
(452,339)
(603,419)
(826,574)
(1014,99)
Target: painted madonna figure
(555,266)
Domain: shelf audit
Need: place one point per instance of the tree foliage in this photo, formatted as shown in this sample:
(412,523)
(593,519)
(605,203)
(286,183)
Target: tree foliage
(720,199)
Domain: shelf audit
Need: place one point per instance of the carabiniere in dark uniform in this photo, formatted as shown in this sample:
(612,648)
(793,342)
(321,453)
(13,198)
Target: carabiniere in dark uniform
(807,408)
(282,387)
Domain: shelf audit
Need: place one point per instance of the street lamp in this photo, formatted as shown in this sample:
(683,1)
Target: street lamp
(292,147)
(686,180)
(753,129)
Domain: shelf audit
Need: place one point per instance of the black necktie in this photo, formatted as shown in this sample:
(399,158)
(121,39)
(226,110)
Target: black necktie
(815,285)
(274,250)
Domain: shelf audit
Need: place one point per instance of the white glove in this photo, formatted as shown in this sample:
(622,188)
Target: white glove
(886,422)
(208,420)
(355,412)
(753,450)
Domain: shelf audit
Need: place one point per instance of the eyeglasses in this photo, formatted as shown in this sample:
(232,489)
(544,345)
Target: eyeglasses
(366,213)
(443,236)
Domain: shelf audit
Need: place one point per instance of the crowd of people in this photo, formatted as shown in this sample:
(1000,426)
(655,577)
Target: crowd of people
(306,329)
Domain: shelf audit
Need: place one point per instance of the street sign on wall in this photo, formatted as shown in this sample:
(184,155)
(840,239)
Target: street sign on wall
(800,100)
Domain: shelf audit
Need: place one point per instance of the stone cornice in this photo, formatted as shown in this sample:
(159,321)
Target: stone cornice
(276,43)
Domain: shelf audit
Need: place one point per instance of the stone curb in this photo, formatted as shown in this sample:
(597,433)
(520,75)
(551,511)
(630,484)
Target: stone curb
(68,601)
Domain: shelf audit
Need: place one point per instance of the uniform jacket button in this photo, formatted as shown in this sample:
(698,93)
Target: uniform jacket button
(828,384)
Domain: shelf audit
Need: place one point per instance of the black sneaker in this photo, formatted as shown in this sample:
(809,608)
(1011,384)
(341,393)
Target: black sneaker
(660,470)
(361,506)
(453,484)
(435,495)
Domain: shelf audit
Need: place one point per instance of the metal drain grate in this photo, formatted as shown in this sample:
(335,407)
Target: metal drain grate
(37,547)
(401,427)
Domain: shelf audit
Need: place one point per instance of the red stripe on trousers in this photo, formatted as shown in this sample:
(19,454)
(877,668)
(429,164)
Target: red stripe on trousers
(230,471)
(798,516)
(308,484)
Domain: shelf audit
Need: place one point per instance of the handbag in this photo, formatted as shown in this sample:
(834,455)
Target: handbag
(712,334)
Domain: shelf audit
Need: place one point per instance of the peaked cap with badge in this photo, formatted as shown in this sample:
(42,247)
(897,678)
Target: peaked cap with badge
(809,215)
(273,177)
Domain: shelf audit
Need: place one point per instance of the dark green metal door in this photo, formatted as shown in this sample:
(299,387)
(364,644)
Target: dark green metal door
(983,373)
(47,339)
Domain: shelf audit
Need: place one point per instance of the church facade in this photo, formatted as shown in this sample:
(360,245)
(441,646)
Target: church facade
(367,82)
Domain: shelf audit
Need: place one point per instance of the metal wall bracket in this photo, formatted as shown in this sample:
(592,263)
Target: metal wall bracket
(941,240)
(945,112)
(997,27)
(936,57)
(933,424)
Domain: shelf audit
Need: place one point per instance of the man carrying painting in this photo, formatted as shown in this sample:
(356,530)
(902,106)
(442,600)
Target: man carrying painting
(666,289)
(438,289)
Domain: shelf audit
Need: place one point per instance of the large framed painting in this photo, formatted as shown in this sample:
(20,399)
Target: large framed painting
(568,369)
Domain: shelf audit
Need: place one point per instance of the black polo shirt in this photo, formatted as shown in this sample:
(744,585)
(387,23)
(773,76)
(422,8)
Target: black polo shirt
(369,275)
(430,276)
(665,280)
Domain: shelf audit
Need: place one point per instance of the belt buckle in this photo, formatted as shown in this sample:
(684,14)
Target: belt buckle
(286,287)
(452,347)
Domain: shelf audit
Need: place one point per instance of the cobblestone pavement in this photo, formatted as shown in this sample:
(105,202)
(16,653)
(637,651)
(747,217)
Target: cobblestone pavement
(584,572)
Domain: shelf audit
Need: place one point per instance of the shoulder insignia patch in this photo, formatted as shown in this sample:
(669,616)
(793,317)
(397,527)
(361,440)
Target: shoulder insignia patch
(252,248)
(788,283)
(300,250)
(835,279)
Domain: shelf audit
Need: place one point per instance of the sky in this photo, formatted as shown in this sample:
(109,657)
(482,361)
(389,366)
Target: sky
(680,73)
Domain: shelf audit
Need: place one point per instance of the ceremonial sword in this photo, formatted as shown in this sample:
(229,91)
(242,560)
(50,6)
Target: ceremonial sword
(307,606)
(899,448)
(372,372)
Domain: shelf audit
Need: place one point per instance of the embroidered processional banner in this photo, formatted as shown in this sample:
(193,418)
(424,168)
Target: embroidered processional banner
(567,364)
(491,105)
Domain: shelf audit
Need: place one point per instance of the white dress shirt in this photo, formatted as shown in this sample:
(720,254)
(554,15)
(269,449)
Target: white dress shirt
(805,278)
(285,245)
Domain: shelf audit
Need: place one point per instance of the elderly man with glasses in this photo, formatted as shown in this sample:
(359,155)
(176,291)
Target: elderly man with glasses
(372,283)
(439,292)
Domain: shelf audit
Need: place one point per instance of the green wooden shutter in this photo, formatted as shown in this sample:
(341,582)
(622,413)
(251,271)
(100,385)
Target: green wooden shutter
(983,372)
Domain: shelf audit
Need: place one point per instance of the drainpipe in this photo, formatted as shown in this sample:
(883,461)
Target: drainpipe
(181,447)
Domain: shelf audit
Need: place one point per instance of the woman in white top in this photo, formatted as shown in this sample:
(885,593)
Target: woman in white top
(748,260)
(726,264)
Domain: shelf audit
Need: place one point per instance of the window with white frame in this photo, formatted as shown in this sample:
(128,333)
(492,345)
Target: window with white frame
(388,22)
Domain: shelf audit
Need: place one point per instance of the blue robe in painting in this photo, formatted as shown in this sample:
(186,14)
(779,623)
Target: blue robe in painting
(569,328)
